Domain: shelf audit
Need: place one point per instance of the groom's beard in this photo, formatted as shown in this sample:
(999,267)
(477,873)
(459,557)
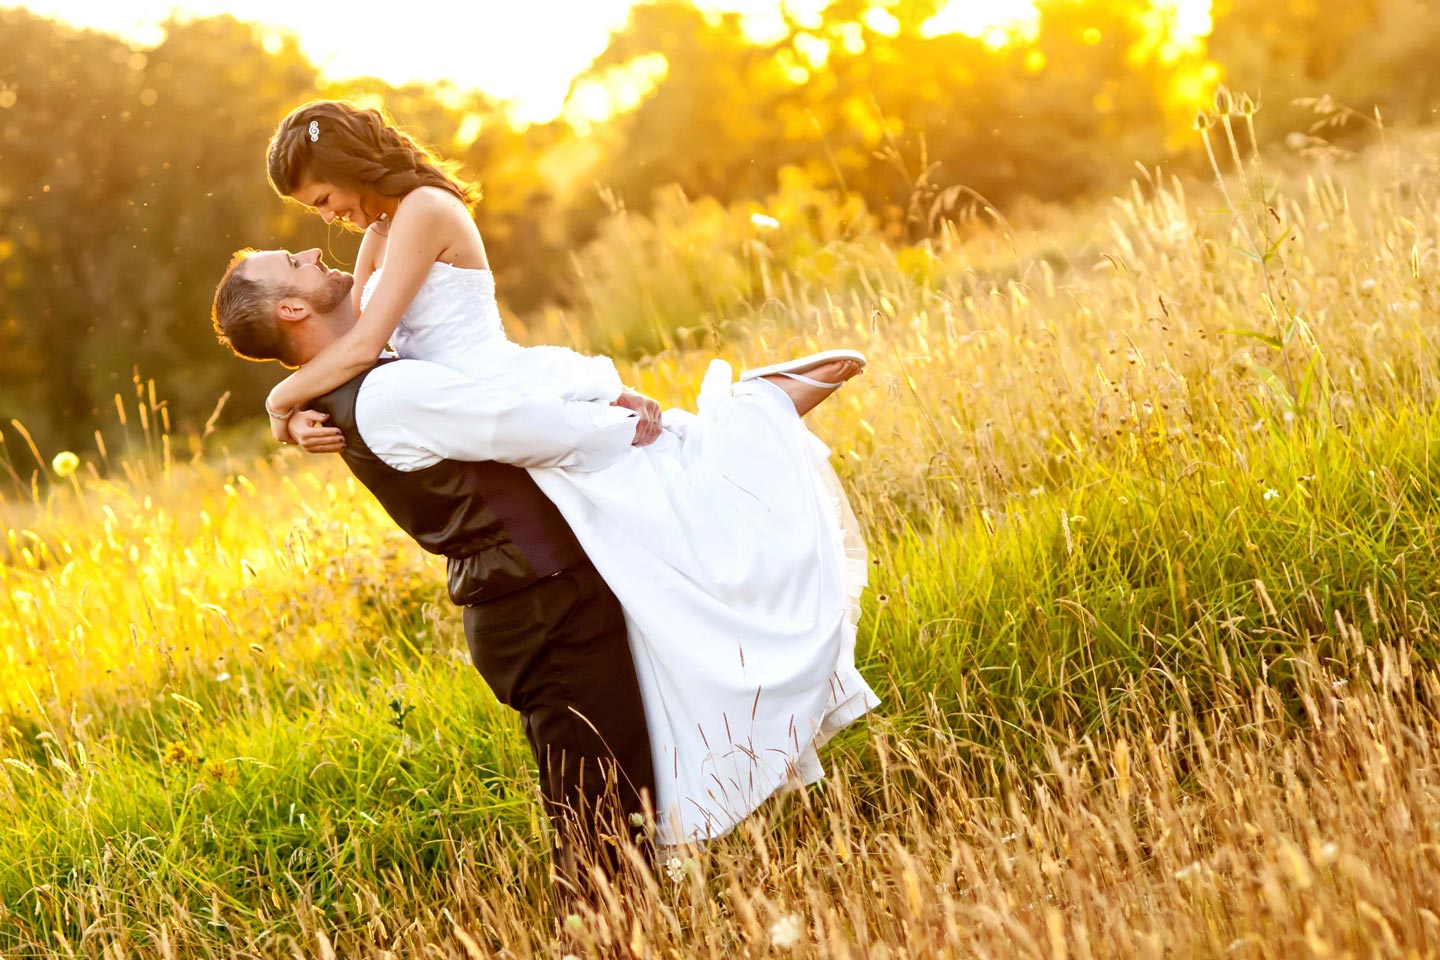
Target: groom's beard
(333,293)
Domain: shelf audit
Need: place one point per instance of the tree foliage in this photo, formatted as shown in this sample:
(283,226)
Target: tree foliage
(128,176)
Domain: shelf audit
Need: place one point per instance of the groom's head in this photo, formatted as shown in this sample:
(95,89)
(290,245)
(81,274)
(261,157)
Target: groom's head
(275,305)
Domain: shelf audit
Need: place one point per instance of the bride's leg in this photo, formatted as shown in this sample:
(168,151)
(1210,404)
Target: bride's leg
(806,397)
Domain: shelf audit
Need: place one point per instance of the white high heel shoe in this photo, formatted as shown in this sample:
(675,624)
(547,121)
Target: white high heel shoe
(796,369)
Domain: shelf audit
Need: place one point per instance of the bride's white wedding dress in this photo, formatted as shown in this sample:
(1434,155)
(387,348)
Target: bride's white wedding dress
(730,545)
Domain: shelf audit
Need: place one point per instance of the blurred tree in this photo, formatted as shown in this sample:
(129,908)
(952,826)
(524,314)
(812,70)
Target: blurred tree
(67,105)
(122,195)
(872,102)
(1364,54)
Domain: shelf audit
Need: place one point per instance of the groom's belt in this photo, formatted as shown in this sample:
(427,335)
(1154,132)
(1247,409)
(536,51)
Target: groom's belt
(493,566)
(488,574)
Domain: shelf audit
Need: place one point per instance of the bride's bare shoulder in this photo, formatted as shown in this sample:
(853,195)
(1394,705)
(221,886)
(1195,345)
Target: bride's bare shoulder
(431,201)
(440,215)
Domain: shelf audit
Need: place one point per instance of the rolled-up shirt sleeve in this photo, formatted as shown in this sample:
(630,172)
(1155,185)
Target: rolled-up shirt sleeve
(412,413)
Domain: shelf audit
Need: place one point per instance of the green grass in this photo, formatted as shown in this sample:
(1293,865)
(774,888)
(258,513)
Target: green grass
(1123,558)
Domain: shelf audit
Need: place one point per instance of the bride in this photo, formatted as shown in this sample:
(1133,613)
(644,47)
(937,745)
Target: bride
(725,535)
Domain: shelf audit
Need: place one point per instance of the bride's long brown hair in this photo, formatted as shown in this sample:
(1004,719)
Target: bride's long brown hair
(343,143)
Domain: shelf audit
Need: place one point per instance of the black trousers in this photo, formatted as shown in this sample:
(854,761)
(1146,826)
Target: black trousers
(557,652)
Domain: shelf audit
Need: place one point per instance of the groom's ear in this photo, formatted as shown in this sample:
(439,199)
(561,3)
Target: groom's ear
(292,309)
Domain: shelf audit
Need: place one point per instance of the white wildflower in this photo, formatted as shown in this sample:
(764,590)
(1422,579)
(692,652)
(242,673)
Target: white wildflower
(1190,870)
(1367,285)
(675,869)
(1271,494)
(764,222)
(785,932)
(221,677)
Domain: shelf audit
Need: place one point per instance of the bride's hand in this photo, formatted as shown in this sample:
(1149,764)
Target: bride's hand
(649,427)
(306,427)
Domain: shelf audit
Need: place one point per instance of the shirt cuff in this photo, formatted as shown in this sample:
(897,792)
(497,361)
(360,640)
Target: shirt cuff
(608,383)
(611,440)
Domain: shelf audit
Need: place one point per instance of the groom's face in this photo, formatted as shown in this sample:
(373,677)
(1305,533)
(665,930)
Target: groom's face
(303,276)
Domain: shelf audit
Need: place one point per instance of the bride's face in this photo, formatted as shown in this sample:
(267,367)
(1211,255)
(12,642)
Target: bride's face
(335,202)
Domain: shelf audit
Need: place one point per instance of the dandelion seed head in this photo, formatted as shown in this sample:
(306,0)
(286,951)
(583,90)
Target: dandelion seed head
(65,463)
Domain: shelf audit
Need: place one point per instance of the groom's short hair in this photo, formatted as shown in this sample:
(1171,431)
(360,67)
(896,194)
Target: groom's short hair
(244,314)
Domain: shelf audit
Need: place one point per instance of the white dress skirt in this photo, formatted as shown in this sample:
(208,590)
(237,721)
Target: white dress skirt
(730,545)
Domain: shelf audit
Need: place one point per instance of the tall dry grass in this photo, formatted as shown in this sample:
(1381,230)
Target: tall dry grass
(1150,501)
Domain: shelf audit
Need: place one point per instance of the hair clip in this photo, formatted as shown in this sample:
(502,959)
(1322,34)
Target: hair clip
(314,130)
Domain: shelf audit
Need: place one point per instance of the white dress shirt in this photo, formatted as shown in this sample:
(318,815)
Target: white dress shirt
(413,413)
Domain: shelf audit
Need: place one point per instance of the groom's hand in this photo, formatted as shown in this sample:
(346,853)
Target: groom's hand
(648,429)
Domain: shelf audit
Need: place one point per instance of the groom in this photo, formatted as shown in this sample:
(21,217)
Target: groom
(444,456)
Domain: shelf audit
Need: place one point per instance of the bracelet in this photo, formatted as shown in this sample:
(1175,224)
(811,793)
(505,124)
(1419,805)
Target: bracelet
(278,416)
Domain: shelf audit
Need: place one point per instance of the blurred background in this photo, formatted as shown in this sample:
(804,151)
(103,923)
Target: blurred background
(131,154)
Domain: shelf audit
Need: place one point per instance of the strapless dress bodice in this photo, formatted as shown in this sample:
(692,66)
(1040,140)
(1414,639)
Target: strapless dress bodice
(454,320)
(453,315)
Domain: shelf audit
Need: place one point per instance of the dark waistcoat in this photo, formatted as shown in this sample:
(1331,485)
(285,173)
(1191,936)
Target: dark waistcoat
(498,531)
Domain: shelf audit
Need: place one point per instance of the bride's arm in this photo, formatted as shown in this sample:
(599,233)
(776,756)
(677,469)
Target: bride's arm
(306,427)
(422,230)
(364,267)
(413,414)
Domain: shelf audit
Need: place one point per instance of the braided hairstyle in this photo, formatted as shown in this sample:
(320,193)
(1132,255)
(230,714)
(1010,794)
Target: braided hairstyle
(356,146)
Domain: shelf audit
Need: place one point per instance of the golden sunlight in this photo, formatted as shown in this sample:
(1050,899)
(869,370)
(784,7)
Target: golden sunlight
(516,53)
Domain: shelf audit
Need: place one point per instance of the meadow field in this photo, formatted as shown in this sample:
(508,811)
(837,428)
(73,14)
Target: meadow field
(1151,494)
